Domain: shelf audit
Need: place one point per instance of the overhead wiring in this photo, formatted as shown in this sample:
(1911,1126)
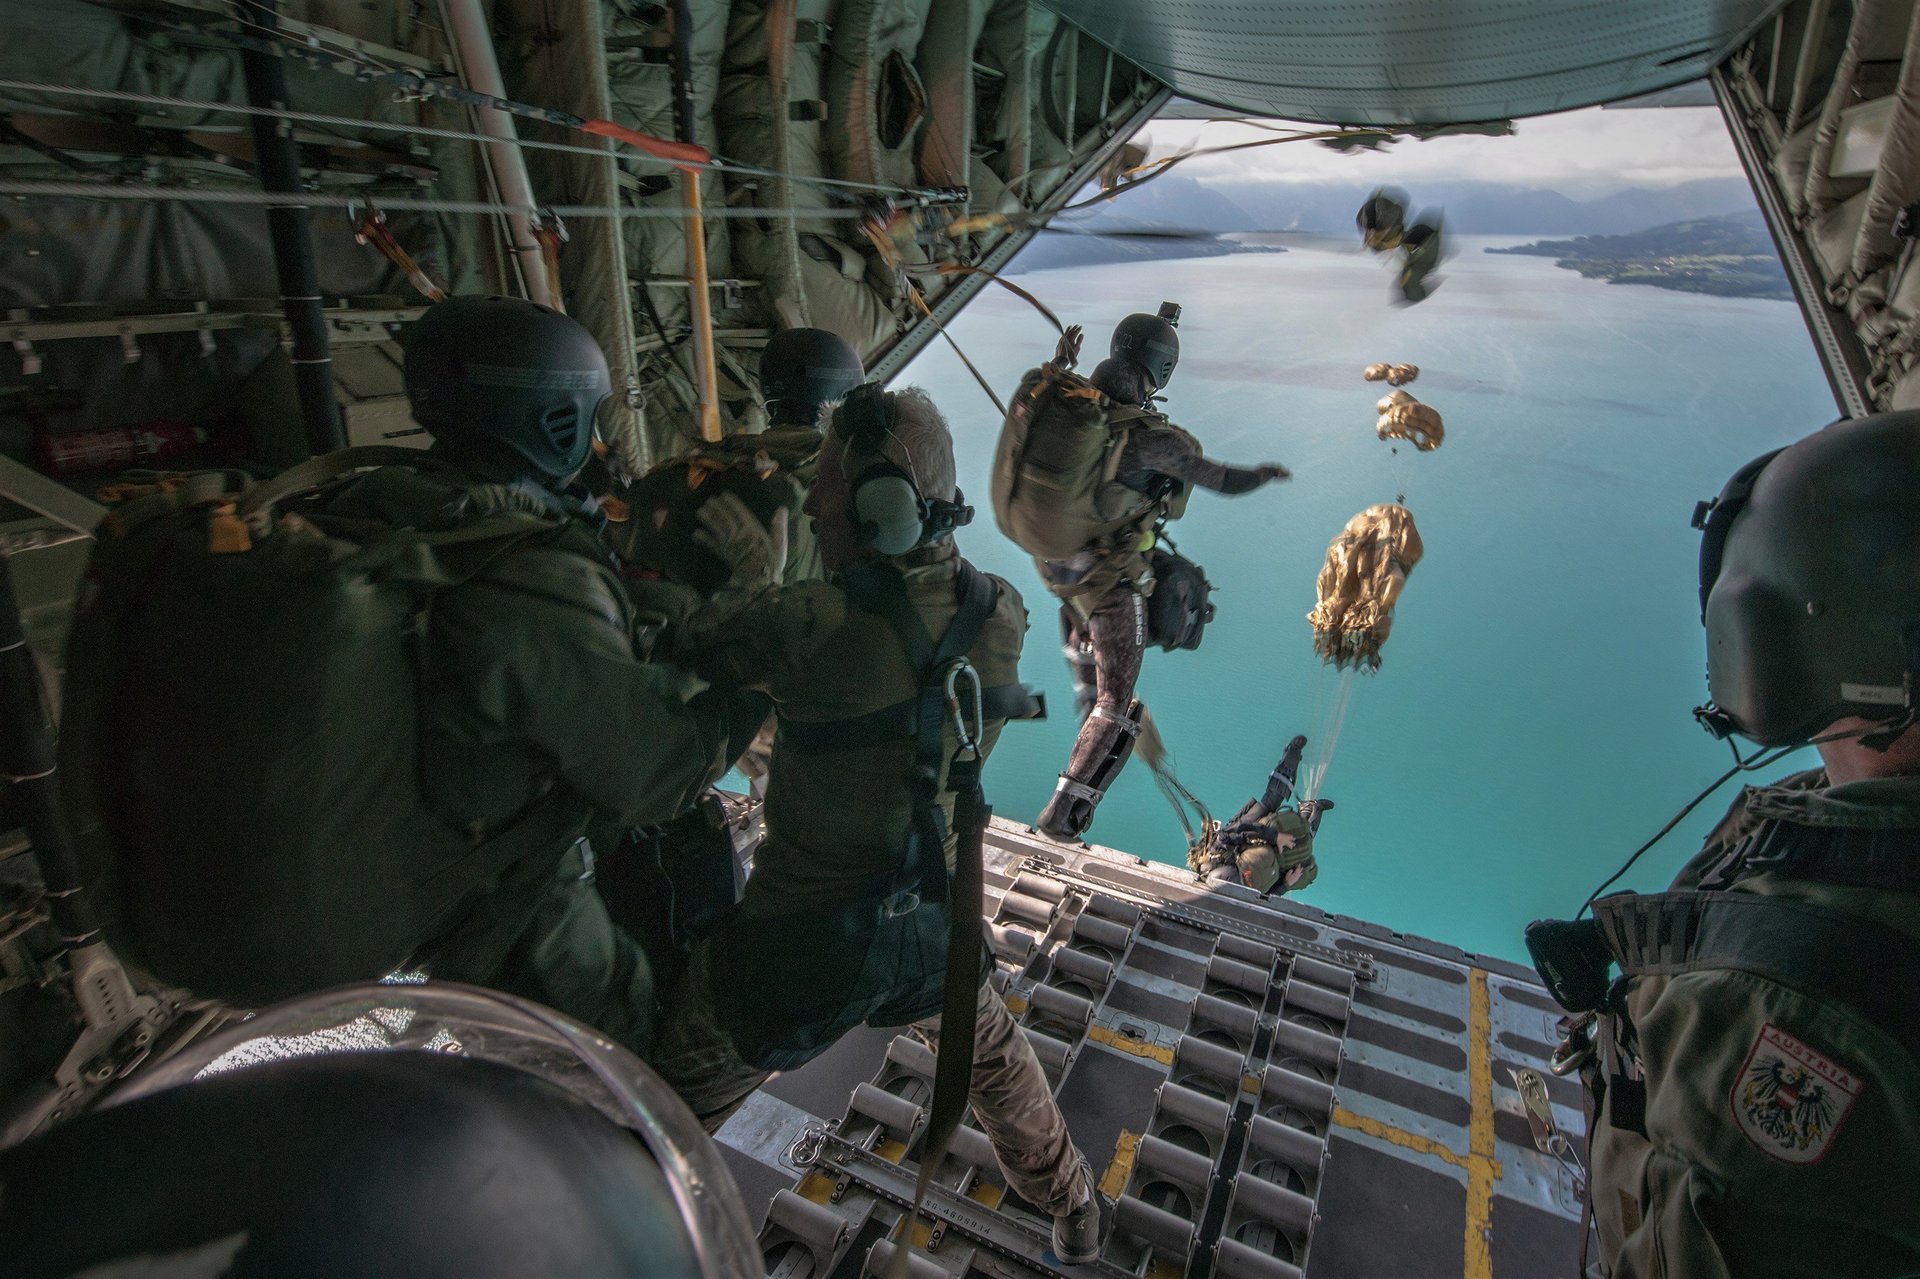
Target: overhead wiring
(1157,168)
(716,164)
(129,191)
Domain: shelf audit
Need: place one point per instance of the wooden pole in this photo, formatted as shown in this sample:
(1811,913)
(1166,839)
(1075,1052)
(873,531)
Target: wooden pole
(701,302)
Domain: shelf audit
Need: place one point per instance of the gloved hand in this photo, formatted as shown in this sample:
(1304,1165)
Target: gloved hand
(1273,471)
(755,552)
(1067,353)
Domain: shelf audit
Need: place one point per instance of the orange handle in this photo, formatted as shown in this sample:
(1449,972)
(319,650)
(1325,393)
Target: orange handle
(677,152)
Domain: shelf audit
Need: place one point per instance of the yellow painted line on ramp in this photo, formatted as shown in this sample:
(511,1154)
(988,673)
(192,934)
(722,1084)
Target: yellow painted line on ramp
(1384,1131)
(1114,1179)
(1481,1169)
(1132,1047)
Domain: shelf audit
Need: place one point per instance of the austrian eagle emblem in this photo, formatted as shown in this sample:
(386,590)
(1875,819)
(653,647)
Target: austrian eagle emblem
(1791,1100)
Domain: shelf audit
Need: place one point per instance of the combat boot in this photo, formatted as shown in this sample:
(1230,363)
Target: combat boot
(1079,1233)
(1106,740)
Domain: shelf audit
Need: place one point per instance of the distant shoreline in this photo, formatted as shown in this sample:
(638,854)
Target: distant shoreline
(1730,257)
(1063,250)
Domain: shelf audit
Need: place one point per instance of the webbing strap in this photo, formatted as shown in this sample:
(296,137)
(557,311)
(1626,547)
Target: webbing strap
(316,471)
(1824,954)
(880,589)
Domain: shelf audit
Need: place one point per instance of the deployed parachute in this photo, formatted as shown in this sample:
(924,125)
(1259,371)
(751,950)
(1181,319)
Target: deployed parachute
(1404,418)
(1391,374)
(1366,566)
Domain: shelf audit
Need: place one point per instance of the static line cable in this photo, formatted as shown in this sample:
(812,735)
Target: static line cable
(1155,168)
(716,164)
(952,268)
(24,189)
(920,301)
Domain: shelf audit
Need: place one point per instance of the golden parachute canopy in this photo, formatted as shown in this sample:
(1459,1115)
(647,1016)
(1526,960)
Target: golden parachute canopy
(1366,566)
(1404,418)
(1391,374)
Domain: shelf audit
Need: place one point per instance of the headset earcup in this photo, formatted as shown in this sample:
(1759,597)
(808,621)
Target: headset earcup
(888,514)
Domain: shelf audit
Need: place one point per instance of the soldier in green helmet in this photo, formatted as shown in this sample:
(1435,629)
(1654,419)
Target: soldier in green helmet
(1754,1070)
(430,681)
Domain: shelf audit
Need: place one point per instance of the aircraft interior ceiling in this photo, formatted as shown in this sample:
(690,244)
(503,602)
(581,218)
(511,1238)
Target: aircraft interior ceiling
(1417,61)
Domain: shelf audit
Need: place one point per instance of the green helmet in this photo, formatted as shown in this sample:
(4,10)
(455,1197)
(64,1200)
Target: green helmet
(1810,583)
(487,374)
(1150,341)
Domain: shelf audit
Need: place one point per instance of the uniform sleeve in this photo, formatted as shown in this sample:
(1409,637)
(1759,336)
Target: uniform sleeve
(752,638)
(1171,451)
(1781,1138)
(540,653)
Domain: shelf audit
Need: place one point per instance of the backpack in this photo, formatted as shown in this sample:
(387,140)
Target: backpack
(240,743)
(1179,608)
(766,471)
(1054,487)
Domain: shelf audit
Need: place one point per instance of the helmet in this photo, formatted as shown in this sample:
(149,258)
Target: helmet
(1382,219)
(487,373)
(1150,341)
(390,1129)
(1810,582)
(809,368)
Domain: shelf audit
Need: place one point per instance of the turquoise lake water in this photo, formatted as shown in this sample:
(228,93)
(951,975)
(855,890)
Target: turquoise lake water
(1531,723)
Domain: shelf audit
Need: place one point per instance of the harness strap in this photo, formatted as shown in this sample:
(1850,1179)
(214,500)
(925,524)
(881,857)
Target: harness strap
(881,590)
(1824,954)
(897,722)
(1864,857)
(316,471)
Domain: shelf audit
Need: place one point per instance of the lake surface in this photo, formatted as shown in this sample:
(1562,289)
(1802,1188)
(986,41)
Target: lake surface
(1531,724)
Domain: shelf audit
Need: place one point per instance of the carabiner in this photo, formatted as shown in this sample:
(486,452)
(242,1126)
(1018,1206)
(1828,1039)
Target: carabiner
(969,734)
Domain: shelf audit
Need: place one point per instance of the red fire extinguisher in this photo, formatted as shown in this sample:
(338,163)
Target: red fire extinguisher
(64,453)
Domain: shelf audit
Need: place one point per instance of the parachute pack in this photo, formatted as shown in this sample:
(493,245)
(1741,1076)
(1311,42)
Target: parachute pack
(1054,487)
(240,741)
(766,471)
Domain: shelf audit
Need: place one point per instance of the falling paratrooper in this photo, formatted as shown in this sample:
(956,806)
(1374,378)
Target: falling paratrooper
(1367,565)
(1383,225)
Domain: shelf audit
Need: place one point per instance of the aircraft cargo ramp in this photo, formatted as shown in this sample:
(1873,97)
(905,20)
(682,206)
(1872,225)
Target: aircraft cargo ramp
(1266,1090)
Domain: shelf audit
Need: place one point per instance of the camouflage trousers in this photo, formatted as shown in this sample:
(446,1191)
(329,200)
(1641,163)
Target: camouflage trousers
(1011,1099)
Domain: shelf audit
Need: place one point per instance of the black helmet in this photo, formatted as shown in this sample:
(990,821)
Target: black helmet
(1810,582)
(1150,341)
(807,368)
(429,1130)
(486,373)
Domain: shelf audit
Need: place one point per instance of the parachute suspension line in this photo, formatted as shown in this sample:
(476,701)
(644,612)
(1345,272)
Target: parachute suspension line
(1328,736)
(1194,818)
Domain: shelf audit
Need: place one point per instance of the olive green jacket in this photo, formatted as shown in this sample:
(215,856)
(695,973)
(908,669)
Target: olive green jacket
(1782,1132)
(535,681)
(837,820)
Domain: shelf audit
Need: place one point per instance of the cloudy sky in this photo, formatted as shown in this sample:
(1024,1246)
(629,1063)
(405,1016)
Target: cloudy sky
(1583,153)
